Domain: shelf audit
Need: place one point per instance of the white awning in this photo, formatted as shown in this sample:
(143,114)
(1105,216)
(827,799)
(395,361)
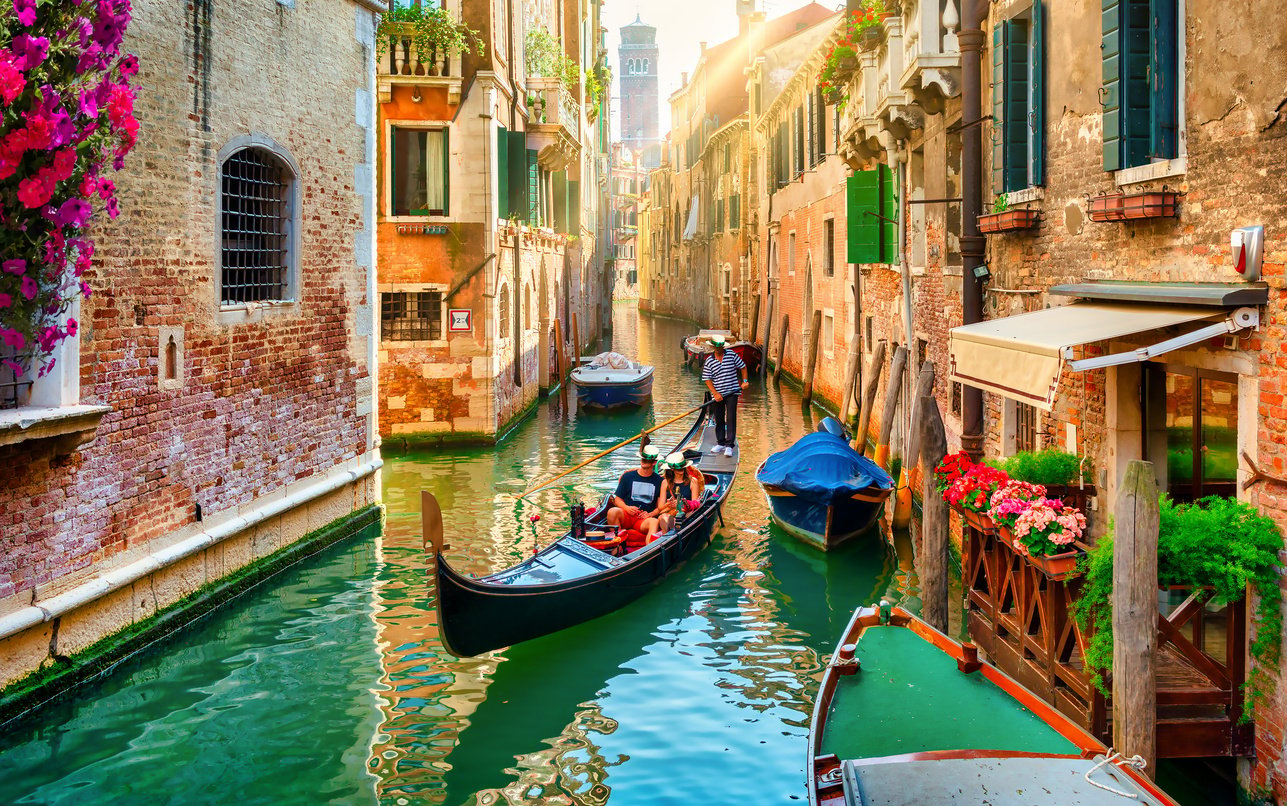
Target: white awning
(1021,357)
(690,228)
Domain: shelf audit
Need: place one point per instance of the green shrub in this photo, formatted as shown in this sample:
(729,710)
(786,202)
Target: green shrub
(1048,467)
(1216,542)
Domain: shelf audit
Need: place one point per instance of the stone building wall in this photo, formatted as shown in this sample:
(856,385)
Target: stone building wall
(265,430)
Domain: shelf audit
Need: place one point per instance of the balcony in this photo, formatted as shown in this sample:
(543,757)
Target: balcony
(554,123)
(404,64)
(931,56)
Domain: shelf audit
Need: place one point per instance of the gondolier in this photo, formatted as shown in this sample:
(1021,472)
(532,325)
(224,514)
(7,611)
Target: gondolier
(725,376)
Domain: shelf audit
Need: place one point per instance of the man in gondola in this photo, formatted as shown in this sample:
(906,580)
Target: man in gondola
(725,376)
(637,501)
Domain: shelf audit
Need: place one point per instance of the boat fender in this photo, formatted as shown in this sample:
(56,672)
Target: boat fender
(845,661)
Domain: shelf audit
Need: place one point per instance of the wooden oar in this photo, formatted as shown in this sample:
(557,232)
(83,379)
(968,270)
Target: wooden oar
(431,522)
(619,445)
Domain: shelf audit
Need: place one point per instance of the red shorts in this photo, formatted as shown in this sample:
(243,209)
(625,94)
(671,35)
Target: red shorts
(635,522)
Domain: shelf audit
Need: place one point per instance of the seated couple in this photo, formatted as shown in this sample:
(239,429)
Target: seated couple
(646,502)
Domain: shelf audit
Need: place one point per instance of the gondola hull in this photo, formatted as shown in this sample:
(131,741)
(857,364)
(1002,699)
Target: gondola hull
(570,582)
(695,352)
(612,389)
(826,526)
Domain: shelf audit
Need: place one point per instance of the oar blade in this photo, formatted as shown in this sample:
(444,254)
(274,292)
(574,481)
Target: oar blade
(431,522)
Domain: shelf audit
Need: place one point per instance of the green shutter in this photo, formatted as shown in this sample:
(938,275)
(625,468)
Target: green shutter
(446,171)
(502,172)
(998,109)
(533,189)
(393,170)
(518,207)
(889,212)
(1111,90)
(862,205)
(574,207)
(1165,80)
(1037,69)
(1137,43)
(1014,132)
(561,202)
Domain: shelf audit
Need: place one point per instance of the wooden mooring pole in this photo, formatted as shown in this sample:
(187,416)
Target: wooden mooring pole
(930,439)
(849,403)
(909,476)
(562,358)
(1136,519)
(768,338)
(893,390)
(869,396)
(755,318)
(811,358)
(777,368)
(576,343)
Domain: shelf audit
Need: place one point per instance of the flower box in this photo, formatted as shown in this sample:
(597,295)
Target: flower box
(1009,221)
(977,520)
(1135,206)
(1056,567)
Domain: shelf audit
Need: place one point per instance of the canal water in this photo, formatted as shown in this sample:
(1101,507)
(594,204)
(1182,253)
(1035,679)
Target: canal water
(328,684)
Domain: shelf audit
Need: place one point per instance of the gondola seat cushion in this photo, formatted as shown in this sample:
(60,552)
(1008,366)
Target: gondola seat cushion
(634,539)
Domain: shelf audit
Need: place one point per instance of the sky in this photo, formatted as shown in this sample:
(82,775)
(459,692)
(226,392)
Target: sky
(681,26)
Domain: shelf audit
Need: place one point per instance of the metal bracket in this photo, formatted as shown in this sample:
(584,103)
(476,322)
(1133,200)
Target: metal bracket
(1257,476)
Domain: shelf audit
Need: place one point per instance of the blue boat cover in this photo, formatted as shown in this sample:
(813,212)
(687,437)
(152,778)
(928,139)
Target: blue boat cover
(822,467)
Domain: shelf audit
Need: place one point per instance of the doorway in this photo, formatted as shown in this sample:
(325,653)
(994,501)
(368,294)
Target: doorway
(1191,430)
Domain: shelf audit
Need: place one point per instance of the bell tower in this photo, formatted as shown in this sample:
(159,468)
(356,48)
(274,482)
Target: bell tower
(637,73)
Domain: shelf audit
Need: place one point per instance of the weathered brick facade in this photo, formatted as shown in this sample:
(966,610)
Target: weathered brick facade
(261,429)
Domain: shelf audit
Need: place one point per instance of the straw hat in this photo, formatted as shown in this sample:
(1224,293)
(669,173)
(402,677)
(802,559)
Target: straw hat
(717,340)
(677,461)
(650,453)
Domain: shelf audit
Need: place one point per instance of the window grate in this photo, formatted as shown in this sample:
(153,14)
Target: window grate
(256,227)
(12,386)
(414,316)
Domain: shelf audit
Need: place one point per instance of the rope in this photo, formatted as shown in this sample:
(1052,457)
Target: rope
(1114,757)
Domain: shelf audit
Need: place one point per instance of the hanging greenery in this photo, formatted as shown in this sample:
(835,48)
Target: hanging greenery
(597,81)
(1218,543)
(432,31)
(1050,467)
(68,118)
(545,57)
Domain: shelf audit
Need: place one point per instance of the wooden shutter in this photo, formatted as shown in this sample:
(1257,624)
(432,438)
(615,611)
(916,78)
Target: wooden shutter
(1137,46)
(889,213)
(518,205)
(533,188)
(800,165)
(1164,76)
(502,172)
(560,201)
(1014,131)
(574,207)
(998,109)
(862,205)
(811,125)
(446,171)
(1110,90)
(1037,69)
(784,163)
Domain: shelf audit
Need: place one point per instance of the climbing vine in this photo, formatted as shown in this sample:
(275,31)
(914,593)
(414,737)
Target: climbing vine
(1219,543)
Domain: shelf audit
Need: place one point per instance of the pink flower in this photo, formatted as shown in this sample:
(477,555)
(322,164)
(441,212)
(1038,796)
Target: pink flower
(26,11)
(35,191)
(30,51)
(64,164)
(48,368)
(13,338)
(73,213)
(130,66)
(12,81)
(14,367)
(120,105)
(72,326)
(85,290)
(29,288)
(5,300)
(16,266)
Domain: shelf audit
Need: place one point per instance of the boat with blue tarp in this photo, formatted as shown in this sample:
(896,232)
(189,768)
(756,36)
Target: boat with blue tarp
(823,491)
(906,716)
(612,381)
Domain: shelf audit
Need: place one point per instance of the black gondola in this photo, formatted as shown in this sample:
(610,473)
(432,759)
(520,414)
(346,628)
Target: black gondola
(569,582)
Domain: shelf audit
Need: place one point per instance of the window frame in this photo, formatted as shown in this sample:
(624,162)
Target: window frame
(414,288)
(1022,30)
(230,313)
(386,185)
(829,246)
(1114,96)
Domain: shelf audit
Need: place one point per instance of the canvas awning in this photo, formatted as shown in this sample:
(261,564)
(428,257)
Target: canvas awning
(690,228)
(1021,357)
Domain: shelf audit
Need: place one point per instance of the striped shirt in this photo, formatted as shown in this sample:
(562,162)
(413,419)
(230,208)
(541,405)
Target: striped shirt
(723,374)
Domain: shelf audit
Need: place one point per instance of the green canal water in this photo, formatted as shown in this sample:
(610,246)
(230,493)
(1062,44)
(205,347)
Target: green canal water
(328,684)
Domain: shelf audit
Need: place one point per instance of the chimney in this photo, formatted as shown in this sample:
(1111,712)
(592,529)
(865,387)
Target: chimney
(745,9)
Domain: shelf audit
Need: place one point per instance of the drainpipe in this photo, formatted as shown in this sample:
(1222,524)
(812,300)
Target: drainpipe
(517,290)
(970,40)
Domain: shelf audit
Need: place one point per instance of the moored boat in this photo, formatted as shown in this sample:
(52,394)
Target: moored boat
(823,491)
(571,581)
(612,381)
(907,716)
(696,348)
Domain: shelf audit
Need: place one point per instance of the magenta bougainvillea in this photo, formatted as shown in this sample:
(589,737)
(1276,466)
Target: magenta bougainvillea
(68,120)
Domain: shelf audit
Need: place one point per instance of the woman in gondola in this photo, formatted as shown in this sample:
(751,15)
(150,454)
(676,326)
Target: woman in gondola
(681,485)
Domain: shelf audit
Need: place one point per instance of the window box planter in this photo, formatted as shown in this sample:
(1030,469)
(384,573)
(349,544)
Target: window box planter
(1009,221)
(1056,567)
(977,520)
(1135,206)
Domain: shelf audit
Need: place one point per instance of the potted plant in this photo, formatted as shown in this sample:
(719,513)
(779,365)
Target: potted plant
(432,32)
(1065,476)
(1005,218)
(546,59)
(968,489)
(1041,530)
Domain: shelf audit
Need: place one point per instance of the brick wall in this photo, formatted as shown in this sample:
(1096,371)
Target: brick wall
(269,398)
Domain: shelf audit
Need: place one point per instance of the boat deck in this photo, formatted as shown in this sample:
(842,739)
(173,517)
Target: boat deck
(714,462)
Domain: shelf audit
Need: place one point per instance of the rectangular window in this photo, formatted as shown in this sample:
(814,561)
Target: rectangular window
(867,333)
(811,124)
(13,387)
(735,212)
(418,166)
(828,334)
(728,157)
(956,399)
(791,255)
(1025,427)
(1141,81)
(799,142)
(1018,101)
(829,247)
(413,316)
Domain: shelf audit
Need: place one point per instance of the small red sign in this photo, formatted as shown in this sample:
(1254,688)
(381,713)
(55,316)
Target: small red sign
(460,320)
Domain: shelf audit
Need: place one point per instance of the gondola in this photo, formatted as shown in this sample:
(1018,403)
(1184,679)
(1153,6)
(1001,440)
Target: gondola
(696,348)
(823,491)
(907,716)
(612,381)
(570,581)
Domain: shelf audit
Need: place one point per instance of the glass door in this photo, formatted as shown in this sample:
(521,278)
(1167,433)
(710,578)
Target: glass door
(1195,424)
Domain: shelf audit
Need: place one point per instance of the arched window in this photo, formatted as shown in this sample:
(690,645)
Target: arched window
(645,66)
(502,304)
(257,226)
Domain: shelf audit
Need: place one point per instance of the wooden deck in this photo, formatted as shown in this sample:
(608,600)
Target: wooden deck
(1022,619)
